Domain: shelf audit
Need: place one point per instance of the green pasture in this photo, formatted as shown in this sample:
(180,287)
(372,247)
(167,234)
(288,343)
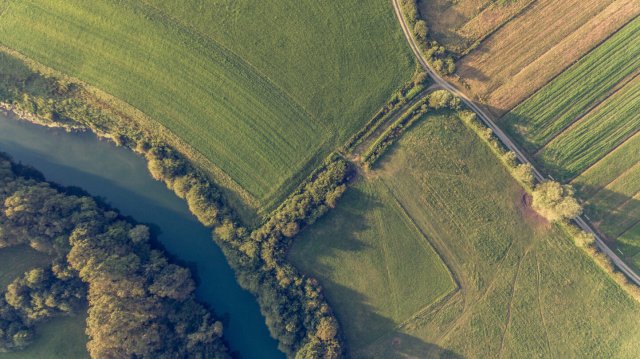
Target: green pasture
(262,89)
(375,266)
(609,168)
(526,289)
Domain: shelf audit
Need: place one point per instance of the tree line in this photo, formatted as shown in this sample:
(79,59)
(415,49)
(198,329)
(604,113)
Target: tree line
(436,54)
(140,305)
(296,312)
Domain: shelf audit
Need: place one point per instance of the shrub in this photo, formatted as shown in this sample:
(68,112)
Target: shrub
(555,202)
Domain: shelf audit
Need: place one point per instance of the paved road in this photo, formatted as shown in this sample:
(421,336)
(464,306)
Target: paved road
(504,139)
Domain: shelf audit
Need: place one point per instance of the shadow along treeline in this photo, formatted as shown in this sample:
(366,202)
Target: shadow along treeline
(296,311)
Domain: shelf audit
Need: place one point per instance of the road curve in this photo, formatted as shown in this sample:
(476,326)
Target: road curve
(581,222)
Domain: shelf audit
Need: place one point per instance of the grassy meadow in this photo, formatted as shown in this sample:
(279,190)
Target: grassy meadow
(210,75)
(570,95)
(525,289)
(60,338)
(377,269)
(583,127)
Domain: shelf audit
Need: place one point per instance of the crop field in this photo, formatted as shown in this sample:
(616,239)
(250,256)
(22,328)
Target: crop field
(575,91)
(378,269)
(584,127)
(538,44)
(629,245)
(263,117)
(605,171)
(525,289)
(595,134)
(460,24)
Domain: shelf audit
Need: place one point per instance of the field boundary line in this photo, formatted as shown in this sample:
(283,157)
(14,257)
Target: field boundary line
(510,307)
(607,155)
(626,171)
(491,32)
(596,105)
(565,69)
(203,36)
(629,228)
(542,318)
(424,236)
(506,141)
(598,159)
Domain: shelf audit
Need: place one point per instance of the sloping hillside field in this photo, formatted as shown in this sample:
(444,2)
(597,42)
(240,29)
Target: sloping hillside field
(262,116)
(526,289)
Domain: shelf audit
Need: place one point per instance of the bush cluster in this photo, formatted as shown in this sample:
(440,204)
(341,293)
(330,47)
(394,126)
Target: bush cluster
(436,54)
(436,100)
(139,304)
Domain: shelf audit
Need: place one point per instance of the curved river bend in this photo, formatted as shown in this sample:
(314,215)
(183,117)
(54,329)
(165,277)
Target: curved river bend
(120,177)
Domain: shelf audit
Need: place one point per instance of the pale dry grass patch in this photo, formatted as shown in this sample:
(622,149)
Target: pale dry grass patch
(537,45)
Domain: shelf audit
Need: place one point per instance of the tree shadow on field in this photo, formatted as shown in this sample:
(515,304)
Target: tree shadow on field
(334,251)
(370,335)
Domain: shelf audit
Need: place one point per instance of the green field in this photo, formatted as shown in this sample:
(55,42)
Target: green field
(618,191)
(60,338)
(629,244)
(608,169)
(262,116)
(526,289)
(377,268)
(595,135)
(566,98)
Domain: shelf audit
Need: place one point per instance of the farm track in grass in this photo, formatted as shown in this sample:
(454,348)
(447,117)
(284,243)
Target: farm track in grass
(568,96)
(376,267)
(473,212)
(502,72)
(264,120)
(595,134)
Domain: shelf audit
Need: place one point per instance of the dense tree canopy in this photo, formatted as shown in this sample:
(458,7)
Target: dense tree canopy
(140,304)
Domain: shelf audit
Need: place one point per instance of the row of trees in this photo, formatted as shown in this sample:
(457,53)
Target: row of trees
(296,312)
(139,304)
(436,54)
(436,100)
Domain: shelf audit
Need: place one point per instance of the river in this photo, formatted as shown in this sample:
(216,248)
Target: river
(120,178)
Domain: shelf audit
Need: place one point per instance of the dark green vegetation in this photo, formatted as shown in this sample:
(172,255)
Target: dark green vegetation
(295,310)
(139,304)
(437,56)
(266,118)
(526,289)
(583,127)
(378,270)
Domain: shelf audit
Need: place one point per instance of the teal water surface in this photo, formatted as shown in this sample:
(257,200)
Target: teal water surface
(121,179)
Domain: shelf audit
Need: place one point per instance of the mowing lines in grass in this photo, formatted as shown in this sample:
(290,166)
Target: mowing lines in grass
(541,297)
(609,168)
(203,93)
(556,105)
(591,138)
(618,191)
(376,268)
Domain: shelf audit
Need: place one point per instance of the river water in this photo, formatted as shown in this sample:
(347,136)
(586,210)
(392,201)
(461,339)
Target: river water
(121,179)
